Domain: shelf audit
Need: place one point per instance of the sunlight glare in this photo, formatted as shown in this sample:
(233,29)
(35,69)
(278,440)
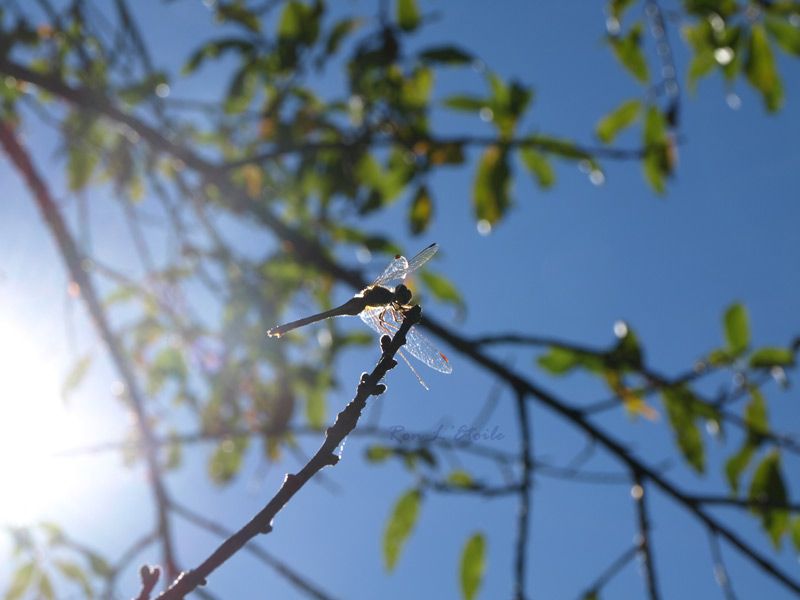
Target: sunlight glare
(34,424)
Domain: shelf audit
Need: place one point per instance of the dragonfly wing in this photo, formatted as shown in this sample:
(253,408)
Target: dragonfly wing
(394,273)
(417,345)
(421,258)
(372,317)
(423,349)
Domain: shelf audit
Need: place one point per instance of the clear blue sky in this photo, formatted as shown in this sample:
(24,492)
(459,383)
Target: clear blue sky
(568,263)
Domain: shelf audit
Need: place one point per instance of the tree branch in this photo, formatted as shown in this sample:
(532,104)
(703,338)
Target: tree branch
(72,257)
(346,421)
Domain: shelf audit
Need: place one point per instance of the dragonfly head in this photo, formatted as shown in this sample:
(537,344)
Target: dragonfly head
(402,295)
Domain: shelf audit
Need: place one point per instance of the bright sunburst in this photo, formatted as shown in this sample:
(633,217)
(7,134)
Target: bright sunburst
(34,424)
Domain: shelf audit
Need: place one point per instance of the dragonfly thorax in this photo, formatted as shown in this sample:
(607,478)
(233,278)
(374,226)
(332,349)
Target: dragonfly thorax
(377,295)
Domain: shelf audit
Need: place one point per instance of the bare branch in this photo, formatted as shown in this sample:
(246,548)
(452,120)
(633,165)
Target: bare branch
(346,422)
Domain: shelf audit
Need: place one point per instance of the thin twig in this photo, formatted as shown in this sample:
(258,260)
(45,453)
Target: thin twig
(297,580)
(646,548)
(525,500)
(614,568)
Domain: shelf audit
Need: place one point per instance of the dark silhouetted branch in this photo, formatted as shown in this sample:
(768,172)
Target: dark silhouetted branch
(346,422)
(298,581)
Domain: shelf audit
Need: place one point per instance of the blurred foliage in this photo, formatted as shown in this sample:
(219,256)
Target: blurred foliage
(319,160)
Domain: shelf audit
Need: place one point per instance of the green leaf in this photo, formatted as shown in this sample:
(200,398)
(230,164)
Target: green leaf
(796,534)
(226,460)
(473,565)
(21,581)
(770,356)
(241,90)
(560,360)
(491,190)
(214,48)
(299,24)
(680,404)
(618,7)
(341,30)
(737,329)
(401,523)
(755,414)
(465,103)
(167,364)
(629,53)
(448,55)
(702,64)
(235,11)
(378,453)
(656,162)
(736,464)
(786,34)
(757,422)
(174,451)
(80,164)
(460,478)
(538,164)
(72,571)
(768,487)
(628,353)
(75,376)
(99,565)
(134,94)
(761,69)
(407,15)
(621,117)
(441,287)
(45,588)
(316,407)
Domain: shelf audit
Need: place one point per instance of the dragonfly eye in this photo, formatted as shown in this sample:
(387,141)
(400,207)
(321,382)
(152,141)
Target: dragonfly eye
(402,294)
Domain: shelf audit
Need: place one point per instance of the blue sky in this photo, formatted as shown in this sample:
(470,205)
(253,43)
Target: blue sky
(569,263)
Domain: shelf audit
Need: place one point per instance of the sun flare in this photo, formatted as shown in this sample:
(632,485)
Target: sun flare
(34,425)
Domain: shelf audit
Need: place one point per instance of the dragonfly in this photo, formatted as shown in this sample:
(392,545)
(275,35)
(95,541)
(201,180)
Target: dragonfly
(382,305)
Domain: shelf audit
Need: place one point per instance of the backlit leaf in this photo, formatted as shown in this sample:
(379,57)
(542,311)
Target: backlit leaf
(768,487)
(441,287)
(226,460)
(448,55)
(75,376)
(786,34)
(656,162)
(168,364)
(407,15)
(339,32)
(473,565)
(796,534)
(617,120)
(769,356)
(378,453)
(236,11)
(20,581)
(680,404)
(538,164)
(465,103)
(761,69)
(75,573)
(737,329)
(628,51)
(491,190)
(400,525)
(459,478)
